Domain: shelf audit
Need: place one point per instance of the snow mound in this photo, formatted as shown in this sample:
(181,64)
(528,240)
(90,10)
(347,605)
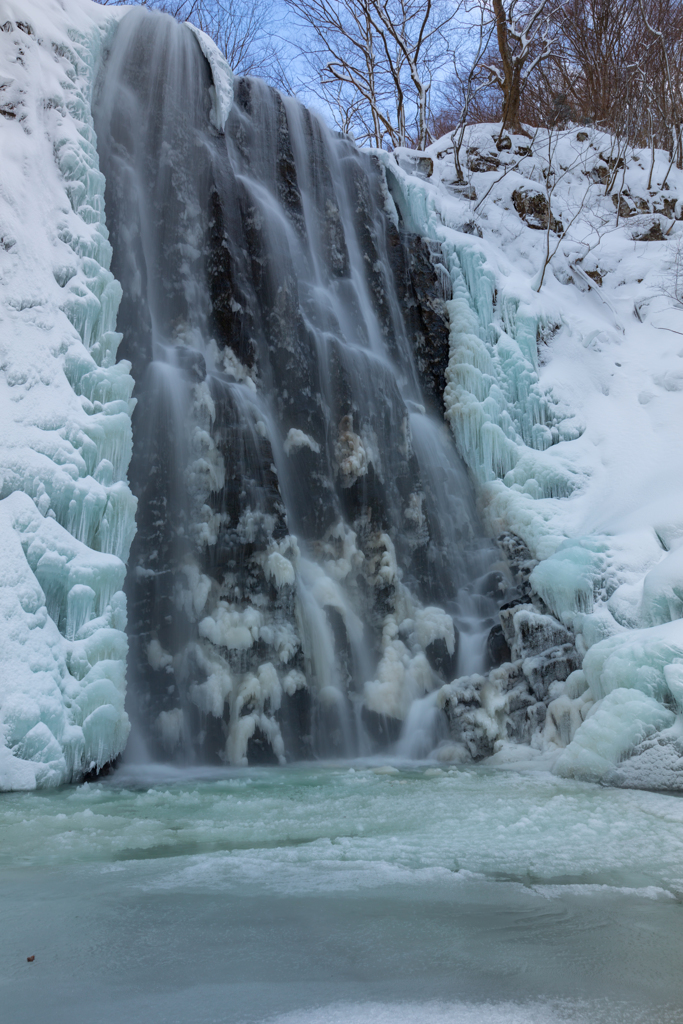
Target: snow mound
(622,720)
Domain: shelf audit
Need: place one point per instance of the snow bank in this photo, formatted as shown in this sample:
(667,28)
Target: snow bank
(565,402)
(649,660)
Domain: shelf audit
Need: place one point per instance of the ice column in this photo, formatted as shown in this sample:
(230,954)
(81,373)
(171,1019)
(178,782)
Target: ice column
(67,516)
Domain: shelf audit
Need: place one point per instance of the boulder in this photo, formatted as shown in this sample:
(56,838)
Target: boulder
(534,209)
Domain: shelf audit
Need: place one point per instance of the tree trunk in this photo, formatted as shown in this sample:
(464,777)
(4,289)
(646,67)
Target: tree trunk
(511,105)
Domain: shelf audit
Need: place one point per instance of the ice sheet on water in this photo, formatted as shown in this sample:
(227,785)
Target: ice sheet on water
(331,829)
(268,880)
(438,1012)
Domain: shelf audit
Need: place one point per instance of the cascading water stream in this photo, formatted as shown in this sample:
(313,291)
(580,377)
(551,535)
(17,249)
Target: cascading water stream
(307,549)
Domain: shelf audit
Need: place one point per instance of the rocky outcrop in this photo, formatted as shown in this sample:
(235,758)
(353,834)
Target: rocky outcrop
(528,696)
(534,209)
(423,285)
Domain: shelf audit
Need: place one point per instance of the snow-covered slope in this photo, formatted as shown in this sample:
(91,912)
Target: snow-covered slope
(567,404)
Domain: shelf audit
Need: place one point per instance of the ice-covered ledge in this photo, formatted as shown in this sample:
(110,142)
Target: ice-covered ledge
(67,516)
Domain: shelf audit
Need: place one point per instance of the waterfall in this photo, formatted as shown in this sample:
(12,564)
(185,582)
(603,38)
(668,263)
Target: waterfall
(308,551)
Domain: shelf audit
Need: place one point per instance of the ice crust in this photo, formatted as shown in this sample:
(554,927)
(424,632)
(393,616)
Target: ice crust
(67,516)
(564,403)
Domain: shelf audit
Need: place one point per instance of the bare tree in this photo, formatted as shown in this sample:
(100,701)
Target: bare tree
(468,81)
(413,25)
(673,89)
(612,63)
(247,35)
(524,38)
(379,56)
(362,84)
(594,43)
(599,62)
(672,283)
(553,173)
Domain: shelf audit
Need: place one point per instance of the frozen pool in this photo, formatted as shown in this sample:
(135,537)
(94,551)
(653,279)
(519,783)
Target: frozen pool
(332,894)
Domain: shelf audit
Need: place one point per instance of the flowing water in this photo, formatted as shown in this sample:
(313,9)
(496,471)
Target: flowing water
(308,553)
(341,894)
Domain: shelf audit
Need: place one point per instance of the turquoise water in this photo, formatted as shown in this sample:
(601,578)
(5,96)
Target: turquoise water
(341,894)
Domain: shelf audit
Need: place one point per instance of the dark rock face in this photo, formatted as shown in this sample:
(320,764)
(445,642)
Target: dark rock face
(471,228)
(497,649)
(383,729)
(423,285)
(259,749)
(650,231)
(416,163)
(520,562)
(624,206)
(553,665)
(613,162)
(600,174)
(464,191)
(478,161)
(530,654)
(668,206)
(531,633)
(444,663)
(463,712)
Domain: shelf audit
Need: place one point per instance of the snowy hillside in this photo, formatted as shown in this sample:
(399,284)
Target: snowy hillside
(566,403)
